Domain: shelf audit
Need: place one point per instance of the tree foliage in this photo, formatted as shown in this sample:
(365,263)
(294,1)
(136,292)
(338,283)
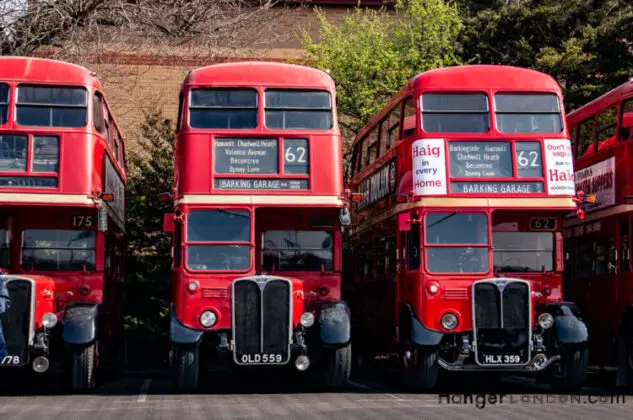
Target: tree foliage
(586,45)
(148,282)
(372,54)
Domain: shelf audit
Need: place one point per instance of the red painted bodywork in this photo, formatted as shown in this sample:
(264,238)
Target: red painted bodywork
(604,299)
(194,178)
(377,302)
(81,177)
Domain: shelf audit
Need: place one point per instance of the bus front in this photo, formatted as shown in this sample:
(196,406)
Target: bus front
(491,180)
(257,232)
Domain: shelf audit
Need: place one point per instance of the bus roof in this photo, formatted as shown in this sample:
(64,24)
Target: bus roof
(601,103)
(258,73)
(483,77)
(42,70)
(471,77)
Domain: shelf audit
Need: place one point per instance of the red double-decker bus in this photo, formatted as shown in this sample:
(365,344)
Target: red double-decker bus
(465,178)
(62,178)
(258,207)
(598,272)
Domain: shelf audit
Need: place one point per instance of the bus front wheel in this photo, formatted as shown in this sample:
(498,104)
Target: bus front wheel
(338,367)
(185,368)
(625,356)
(83,368)
(421,368)
(570,373)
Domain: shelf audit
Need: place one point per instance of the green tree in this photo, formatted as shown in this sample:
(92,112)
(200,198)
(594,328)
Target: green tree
(148,264)
(585,45)
(372,54)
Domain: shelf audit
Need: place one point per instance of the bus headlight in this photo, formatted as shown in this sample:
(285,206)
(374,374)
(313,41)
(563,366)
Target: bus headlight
(49,320)
(208,319)
(546,320)
(449,321)
(307,319)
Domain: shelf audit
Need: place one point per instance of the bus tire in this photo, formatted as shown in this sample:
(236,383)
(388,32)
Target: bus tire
(185,368)
(625,356)
(422,373)
(570,373)
(338,367)
(83,368)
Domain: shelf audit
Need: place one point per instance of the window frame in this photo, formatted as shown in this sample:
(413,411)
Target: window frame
(591,121)
(622,112)
(191,107)
(487,245)
(30,155)
(4,106)
(529,93)
(93,250)
(187,242)
(332,249)
(85,106)
(599,129)
(330,108)
(552,251)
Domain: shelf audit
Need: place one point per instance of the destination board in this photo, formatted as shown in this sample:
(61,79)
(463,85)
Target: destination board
(27,182)
(480,159)
(260,184)
(497,187)
(246,156)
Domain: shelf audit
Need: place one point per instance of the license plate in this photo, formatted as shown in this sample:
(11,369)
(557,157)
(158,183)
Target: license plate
(501,359)
(255,359)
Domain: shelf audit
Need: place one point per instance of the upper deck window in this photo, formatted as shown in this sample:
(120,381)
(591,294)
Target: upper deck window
(13,153)
(298,109)
(44,106)
(4,102)
(58,250)
(297,250)
(223,108)
(528,113)
(218,239)
(455,113)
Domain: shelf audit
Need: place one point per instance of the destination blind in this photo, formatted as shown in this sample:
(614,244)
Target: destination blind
(494,160)
(247,156)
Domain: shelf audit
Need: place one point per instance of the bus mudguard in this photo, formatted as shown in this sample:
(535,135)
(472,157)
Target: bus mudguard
(334,320)
(568,324)
(80,323)
(181,334)
(419,333)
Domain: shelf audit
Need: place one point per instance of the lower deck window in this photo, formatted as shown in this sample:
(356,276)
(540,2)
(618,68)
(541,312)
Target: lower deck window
(58,250)
(292,250)
(523,251)
(4,247)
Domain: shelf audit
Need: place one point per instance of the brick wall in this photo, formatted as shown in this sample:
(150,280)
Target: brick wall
(138,82)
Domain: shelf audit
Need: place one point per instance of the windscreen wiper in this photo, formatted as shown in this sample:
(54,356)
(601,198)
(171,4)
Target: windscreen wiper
(442,219)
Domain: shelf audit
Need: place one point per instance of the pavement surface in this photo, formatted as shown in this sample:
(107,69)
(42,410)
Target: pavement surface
(139,397)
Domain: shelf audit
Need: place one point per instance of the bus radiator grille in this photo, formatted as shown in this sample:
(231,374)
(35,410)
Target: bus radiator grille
(502,322)
(261,320)
(16,321)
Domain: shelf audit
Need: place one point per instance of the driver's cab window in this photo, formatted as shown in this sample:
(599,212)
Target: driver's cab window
(218,240)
